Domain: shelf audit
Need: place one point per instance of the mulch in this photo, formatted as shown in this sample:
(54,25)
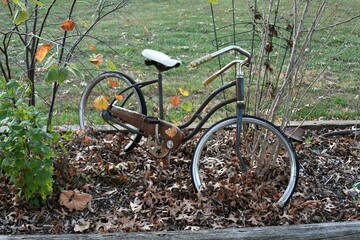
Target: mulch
(134,192)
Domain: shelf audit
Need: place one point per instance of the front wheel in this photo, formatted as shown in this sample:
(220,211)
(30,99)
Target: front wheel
(272,166)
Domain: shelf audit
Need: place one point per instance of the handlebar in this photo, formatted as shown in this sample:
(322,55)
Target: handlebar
(208,57)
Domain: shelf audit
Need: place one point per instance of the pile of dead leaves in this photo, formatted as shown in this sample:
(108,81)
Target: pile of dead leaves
(100,189)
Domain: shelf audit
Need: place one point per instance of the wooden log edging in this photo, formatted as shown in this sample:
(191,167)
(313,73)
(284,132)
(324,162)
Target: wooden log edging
(334,230)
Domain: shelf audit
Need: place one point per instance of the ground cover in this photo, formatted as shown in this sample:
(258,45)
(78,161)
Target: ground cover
(133,192)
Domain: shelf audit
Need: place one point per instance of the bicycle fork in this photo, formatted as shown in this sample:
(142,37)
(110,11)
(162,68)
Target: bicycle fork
(240,106)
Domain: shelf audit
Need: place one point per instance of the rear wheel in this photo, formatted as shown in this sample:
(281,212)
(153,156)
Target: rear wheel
(270,159)
(115,88)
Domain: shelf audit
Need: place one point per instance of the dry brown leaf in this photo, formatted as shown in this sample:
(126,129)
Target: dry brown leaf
(97,60)
(75,200)
(82,227)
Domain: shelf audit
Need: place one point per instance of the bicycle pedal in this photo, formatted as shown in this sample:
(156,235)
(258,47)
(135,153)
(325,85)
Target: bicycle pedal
(152,120)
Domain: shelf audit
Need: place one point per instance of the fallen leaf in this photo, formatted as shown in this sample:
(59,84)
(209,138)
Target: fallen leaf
(86,140)
(97,60)
(184,92)
(92,47)
(112,83)
(68,25)
(175,100)
(74,200)
(81,227)
(119,97)
(42,51)
(147,33)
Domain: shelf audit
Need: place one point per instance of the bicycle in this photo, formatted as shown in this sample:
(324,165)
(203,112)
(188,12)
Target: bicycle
(240,153)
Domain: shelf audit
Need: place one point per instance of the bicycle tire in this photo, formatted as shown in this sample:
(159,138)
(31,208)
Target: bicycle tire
(109,84)
(272,163)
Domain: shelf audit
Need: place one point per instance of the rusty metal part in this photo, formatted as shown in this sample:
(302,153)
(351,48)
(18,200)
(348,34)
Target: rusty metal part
(155,149)
(167,135)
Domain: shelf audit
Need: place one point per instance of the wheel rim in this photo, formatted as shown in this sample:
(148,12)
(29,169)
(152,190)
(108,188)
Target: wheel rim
(272,174)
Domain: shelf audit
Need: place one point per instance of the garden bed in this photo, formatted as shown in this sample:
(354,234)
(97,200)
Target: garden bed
(133,192)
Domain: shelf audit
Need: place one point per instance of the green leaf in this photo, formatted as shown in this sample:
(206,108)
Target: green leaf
(49,62)
(73,69)
(111,65)
(22,6)
(52,75)
(20,17)
(213,1)
(38,3)
(63,73)
(186,106)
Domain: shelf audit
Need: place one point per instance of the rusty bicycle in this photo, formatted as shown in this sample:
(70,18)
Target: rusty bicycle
(241,153)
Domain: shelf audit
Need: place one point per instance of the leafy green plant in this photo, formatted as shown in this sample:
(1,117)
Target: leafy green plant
(26,156)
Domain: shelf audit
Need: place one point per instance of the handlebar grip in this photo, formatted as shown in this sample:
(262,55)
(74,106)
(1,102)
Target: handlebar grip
(210,79)
(201,60)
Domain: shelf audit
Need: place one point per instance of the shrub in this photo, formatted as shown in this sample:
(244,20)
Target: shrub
(26,156)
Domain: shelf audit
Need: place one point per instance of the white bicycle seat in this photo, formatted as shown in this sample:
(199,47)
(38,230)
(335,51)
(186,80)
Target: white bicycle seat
(161,58)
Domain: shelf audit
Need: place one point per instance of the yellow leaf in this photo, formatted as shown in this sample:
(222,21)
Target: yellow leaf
(68,25)
(97,60)
(183,92)
(112,83)
(42,51)
(213,1)
(277,121)
(175,100)
(101,102)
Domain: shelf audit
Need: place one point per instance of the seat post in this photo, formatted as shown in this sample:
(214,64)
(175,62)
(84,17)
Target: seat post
(160,92)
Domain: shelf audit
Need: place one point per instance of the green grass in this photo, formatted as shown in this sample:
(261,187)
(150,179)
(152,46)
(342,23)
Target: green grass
(184,30)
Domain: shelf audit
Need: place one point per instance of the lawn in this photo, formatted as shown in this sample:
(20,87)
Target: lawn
(185,31)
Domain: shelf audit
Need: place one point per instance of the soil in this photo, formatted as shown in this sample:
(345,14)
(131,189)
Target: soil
(134,192)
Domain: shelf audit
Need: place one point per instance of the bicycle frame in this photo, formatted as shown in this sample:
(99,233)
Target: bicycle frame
(239,99)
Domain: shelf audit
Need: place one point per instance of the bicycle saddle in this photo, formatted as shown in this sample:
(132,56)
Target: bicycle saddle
(160,60)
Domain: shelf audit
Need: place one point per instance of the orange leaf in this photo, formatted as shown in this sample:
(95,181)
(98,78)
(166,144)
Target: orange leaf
(42,51)
(92,47)
(175,100)
(5,2)
(112,83)
(101,102)
(97,60)
(86,140)
(119,97)
(68,25)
